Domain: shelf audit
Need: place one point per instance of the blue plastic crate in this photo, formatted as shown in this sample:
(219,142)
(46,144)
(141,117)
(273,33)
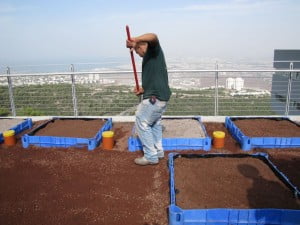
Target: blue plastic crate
(64,142)
(26,124)
(223,216)
(134,143)
(247,143)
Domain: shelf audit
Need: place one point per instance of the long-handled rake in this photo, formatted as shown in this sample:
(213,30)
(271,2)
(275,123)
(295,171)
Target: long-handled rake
(133,62)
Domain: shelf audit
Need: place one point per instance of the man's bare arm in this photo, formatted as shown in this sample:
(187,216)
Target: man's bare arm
(149,37)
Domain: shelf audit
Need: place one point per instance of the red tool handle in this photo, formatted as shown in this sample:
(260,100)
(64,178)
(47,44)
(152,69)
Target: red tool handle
(133,62)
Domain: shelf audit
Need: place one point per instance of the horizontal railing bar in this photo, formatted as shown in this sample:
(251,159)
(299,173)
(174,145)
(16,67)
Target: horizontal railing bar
(128,72)
(290,61)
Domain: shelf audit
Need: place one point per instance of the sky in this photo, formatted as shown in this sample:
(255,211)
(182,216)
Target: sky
(54,31)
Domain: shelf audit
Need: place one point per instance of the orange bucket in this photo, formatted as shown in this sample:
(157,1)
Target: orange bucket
(219,139)
(108,140)
(9,137)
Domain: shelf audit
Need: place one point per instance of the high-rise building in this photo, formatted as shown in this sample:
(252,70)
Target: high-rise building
(235,83)
(285,94)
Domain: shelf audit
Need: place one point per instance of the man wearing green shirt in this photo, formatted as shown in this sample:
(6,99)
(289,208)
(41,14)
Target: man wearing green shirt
(156,94)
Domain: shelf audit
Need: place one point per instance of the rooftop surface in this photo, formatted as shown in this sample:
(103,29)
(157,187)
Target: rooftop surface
(77,186)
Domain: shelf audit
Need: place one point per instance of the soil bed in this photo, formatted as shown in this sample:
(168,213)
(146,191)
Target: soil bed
(268,128)
(72,128)
(286,159)
(229,183)
(182,128)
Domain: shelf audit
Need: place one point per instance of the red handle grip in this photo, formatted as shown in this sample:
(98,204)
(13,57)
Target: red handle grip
(133,62)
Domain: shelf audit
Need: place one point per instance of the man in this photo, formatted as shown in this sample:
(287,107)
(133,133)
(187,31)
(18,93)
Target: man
(156,93)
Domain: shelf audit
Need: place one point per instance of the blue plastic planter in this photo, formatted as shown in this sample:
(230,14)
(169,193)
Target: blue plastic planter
(247,143)
(134,143)
(64,142)
(223,216)
(26,124)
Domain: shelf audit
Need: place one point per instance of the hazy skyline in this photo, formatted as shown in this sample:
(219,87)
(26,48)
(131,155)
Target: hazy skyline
(55,31)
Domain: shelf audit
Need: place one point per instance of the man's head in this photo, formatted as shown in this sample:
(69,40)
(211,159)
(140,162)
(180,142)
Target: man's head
(141,48)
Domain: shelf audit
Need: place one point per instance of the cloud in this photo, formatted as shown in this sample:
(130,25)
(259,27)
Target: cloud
(232,5)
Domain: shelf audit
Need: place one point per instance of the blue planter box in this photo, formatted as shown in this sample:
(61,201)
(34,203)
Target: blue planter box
(64,142)
(26,124)
(134,143)
(247,143)
(221,216)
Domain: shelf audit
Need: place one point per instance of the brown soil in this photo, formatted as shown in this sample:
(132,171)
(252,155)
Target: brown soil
(229,183)
(71,128)
(268,128)
(121,133)
(76,186)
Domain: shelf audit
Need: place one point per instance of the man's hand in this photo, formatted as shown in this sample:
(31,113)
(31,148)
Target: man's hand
(138,92)
(131,44)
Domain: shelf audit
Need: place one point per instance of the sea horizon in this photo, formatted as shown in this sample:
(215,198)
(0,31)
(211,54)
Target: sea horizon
(124,63)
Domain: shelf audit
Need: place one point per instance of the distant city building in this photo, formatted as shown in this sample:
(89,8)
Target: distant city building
(235,83)
(286,59)
(239,84)
(230,84)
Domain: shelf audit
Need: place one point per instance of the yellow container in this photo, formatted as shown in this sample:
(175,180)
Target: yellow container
(218,139)
(108,140)
(9,137)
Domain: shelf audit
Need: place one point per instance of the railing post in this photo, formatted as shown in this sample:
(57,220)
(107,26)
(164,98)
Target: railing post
(11,93)
(74,97)
(216,90)
(288,95)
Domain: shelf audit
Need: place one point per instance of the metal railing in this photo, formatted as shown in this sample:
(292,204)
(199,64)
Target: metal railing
(214,92)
